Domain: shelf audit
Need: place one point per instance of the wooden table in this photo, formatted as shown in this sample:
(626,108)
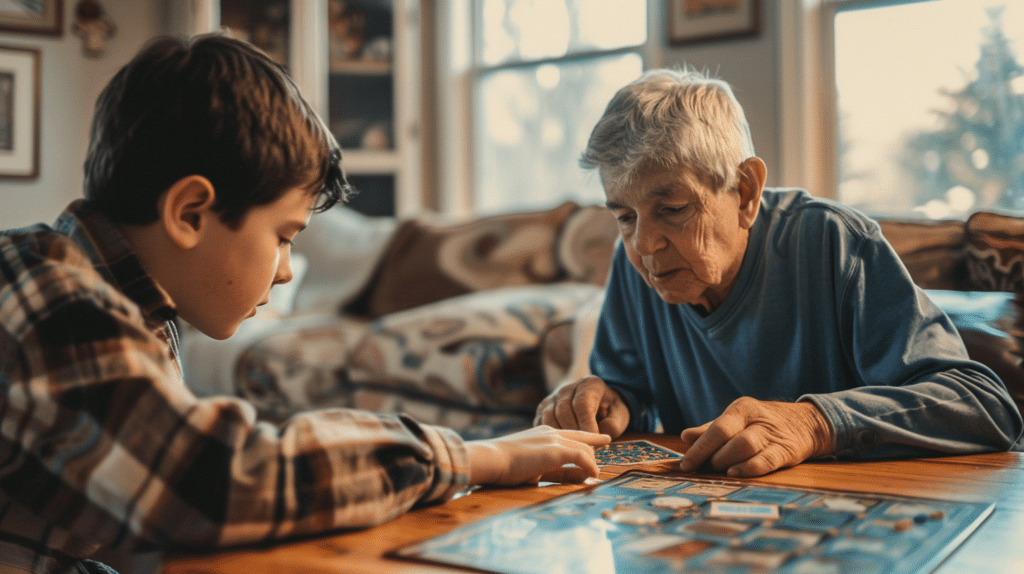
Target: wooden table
(995,547)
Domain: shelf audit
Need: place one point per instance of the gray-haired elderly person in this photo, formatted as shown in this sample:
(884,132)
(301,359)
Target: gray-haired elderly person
(766,326)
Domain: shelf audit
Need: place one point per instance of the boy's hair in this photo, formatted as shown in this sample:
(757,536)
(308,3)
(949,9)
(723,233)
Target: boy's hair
(211,106)
(672,117)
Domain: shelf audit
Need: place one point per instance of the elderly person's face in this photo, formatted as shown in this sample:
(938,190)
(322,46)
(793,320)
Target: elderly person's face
(686,240)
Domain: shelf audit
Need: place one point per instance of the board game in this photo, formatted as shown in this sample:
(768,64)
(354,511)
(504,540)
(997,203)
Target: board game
(653,523)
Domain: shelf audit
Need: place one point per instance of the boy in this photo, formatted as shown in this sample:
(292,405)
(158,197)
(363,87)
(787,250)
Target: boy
(204,163)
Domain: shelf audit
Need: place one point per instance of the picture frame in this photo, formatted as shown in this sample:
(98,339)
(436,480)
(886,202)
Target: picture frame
(32,16)
(19,112)
(696,21)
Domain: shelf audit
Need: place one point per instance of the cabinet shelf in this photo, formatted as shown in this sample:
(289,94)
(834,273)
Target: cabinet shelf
(368,98)
(368,162)
(360,67)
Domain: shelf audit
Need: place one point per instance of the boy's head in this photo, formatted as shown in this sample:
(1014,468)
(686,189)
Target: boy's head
(214,107)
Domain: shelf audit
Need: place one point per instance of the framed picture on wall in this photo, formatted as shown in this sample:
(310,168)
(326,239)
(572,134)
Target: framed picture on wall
(19,112)
(692,21)
(32,16)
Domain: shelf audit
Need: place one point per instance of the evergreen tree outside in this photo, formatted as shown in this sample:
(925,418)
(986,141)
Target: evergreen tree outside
(975,160)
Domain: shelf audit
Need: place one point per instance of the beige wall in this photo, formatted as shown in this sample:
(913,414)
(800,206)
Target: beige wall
(71,81)
(750,65)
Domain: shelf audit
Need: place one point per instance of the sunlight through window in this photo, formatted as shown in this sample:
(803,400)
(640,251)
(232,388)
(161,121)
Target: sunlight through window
(930,107)
(547,70)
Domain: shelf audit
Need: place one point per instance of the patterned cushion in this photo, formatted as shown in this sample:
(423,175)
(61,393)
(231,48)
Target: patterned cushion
(586,244)
(933,251)
(995,252)
(471,363)
(298,365)
(477,352)
(565,351)
(444,261)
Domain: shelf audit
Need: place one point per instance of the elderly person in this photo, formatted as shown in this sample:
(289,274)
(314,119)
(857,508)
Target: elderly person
(766,326)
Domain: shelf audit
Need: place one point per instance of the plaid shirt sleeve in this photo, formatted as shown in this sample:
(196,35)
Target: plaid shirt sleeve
(100,437)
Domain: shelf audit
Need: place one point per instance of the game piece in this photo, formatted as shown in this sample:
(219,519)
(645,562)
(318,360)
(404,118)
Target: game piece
(638,522)
(625,515)
(674,502)
(633,452)
(843,504)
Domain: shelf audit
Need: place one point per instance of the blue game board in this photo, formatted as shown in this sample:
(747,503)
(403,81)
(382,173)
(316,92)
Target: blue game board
(650,523)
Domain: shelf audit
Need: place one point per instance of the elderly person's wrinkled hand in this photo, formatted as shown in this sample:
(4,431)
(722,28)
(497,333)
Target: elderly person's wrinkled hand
(753,438)
(586,404)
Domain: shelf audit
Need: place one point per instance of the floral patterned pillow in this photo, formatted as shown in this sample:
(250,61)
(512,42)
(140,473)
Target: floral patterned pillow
(477,352)
(428,262)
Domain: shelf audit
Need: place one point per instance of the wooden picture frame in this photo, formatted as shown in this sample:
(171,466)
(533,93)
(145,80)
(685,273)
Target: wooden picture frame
(19,112)
(32,16)
(694,21)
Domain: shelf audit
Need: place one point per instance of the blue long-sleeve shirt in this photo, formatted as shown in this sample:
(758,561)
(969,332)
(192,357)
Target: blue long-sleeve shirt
(823,310)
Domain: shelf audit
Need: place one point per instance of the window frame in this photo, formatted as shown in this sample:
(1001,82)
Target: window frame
(456,75)
(808,139)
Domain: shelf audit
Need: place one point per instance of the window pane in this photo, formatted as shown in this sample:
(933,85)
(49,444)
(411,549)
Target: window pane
(532,125)
(526,30)
(931,107)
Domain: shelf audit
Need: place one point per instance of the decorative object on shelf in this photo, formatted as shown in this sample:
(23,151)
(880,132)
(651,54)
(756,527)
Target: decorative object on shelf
(346,30)
(692,21)
(264,24)
(32,16)
(376,137)
(93,26)
(378,49)
(19,112)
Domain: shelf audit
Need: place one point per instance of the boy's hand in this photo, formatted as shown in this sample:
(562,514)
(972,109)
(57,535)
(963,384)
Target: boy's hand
(753,438)
(587,404)
(534,454)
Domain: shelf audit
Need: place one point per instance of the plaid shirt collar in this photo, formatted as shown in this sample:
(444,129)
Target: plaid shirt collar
(113,258)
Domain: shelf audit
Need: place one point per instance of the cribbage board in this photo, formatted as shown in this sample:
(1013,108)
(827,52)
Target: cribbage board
(650,523)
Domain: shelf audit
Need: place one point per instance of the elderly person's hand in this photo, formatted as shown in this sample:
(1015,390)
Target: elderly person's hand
(586,404)
(753,438)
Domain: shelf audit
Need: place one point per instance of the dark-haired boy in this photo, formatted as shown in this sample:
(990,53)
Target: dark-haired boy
(204,163)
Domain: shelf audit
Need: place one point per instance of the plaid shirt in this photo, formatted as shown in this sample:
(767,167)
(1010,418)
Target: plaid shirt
(102,443)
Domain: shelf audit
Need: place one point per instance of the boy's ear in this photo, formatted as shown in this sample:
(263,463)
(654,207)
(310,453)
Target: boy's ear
(186,209)
(753,174)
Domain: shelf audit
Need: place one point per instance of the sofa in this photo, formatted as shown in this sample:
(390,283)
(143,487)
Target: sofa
(470,324)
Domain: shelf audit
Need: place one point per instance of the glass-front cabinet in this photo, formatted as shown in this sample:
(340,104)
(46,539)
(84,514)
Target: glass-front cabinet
(357,62)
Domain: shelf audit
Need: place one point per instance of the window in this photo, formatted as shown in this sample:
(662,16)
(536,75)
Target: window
(543,71)
(929,112)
